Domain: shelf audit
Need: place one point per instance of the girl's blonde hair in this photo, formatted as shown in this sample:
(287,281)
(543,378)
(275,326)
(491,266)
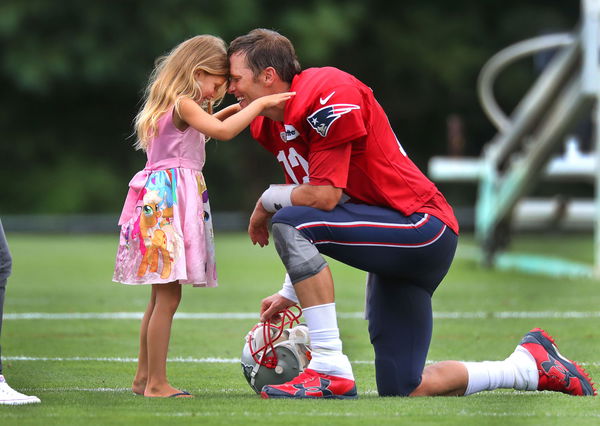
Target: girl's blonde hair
(173,78)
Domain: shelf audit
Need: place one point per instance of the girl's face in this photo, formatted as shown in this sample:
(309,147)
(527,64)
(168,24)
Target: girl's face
(210,84)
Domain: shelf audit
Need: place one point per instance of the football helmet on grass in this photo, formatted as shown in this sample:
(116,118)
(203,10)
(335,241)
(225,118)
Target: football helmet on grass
(276,352)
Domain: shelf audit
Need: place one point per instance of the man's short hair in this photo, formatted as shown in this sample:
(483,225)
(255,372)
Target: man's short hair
(266,48)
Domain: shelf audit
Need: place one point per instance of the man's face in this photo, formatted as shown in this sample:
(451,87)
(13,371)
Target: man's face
(242,84)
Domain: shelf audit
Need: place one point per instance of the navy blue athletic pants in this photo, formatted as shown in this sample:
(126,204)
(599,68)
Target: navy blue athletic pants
(406,258)
(5,270)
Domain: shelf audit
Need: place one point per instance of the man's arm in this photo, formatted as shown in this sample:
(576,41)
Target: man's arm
(324,197)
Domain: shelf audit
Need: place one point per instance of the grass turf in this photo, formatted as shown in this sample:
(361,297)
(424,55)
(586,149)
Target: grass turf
(62,360)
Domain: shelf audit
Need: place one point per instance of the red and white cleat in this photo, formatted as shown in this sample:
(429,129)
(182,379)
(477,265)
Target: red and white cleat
(556,373)
(312,384)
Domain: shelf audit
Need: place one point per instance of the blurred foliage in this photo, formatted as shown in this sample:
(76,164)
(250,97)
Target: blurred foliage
(72,74)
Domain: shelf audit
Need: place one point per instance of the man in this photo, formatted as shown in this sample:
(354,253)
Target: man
(354,195)
(8,396)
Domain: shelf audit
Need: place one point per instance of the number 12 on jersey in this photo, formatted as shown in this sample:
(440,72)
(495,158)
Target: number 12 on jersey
(291,160)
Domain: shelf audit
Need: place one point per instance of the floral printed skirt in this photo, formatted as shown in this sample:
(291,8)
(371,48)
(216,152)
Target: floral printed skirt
(166,230)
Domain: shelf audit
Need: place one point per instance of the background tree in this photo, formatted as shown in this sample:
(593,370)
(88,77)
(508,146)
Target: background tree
(72,74)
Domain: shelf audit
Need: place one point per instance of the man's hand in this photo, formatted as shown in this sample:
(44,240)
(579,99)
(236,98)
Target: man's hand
(258,228)
(273,304)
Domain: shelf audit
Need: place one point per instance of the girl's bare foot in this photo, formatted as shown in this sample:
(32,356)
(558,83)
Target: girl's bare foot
(138,386)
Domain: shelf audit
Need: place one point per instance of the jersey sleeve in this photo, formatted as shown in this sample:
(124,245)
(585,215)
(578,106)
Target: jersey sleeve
(335,117)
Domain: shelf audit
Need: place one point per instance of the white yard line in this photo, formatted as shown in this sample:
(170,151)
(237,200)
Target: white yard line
(209,360)
(376,415)
(254,315)
(122,359)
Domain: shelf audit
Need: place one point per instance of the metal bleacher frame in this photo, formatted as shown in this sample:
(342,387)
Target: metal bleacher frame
(523,151)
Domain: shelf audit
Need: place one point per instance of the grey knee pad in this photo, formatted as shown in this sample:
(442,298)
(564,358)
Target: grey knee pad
(301,258)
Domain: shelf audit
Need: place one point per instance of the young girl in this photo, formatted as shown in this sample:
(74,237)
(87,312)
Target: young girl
(166,230)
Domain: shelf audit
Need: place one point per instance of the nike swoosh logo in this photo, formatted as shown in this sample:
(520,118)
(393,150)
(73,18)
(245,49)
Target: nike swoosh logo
(324,101)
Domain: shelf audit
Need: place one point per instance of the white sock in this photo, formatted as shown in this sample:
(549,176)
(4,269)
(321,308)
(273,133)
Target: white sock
(518,371)
(526,372)
(325,343)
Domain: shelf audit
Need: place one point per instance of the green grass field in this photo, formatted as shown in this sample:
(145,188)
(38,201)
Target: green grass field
(82,368)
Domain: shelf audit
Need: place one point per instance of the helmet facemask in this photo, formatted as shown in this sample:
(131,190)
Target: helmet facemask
(275,353)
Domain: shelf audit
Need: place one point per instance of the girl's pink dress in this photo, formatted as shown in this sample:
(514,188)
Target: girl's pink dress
(166,225)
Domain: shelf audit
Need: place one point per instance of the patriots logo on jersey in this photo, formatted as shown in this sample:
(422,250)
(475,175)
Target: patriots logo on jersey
(323,118)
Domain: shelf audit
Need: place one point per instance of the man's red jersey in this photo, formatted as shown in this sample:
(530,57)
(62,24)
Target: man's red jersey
(336,133)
